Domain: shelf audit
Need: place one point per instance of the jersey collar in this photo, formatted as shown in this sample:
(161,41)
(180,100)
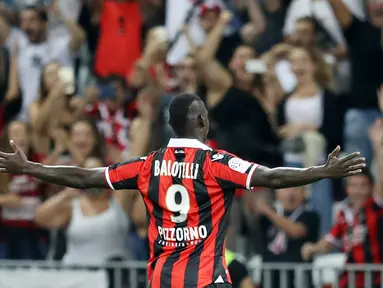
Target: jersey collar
(187,143)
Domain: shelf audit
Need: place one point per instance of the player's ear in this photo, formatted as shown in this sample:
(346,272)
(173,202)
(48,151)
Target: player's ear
(201,121)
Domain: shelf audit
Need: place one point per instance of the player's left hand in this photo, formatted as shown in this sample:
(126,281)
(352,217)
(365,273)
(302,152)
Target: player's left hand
(349,165)
(13,163)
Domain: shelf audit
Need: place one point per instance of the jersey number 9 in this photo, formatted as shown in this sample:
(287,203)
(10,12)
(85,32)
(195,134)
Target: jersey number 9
(182,206)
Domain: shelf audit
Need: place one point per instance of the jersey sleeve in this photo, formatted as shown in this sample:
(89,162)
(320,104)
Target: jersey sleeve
(230,171)
(124,175)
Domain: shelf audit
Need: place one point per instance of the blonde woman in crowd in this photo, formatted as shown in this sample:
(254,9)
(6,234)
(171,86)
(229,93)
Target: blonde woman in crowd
(310,121)
(96,222)
(55,108)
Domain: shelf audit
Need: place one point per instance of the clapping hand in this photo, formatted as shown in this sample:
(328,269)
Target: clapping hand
(349,165)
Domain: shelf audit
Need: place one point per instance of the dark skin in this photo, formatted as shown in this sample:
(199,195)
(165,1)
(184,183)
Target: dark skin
(197,127)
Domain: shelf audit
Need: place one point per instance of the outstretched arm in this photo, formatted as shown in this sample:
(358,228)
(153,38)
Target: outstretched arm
(69,176)
(75,177)
(284,177)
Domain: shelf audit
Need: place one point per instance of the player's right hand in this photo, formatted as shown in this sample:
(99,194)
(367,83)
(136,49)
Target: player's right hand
(307,251)
(13,163)
(349,165)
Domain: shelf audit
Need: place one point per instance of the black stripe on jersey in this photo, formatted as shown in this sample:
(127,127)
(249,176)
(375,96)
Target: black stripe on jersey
(153,195)
(167,268)
(228,195)
(380,236)
(366,243)
(130,183)
(204,212)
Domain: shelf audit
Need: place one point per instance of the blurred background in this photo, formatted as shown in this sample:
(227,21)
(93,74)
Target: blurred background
(88,83)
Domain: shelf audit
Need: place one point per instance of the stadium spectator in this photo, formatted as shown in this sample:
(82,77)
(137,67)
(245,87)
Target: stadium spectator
(210,13)
(234,93)
(21,238)
(84,142)
(97,223)
(40,49)
(361,230)
(367,75)
(55,108)
(10,100)
(286,227)
(151,66)
(113,113)
(309,110)
(119,41)
(250,99)
(344,235)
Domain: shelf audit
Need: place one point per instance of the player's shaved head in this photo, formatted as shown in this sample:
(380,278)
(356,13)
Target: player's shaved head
(188,116)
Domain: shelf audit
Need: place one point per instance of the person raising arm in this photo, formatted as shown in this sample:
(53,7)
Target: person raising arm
(80,178)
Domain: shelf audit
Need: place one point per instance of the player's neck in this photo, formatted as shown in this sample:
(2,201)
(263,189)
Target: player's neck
(192,136)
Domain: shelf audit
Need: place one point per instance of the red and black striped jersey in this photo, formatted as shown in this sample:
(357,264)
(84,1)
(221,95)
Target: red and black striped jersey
(341,233)
(188,190)
(364,235)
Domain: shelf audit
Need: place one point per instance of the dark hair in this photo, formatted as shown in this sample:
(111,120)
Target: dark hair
(307,19)
(41,13)
(366,173)
(97,151)
(114,78)
(178,111)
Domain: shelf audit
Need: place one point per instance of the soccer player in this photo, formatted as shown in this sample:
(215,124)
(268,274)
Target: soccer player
(188,190)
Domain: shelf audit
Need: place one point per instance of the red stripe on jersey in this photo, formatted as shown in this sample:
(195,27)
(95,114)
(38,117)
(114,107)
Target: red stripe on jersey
(191,222)
(125,175)
(164,183)
(206,269)
(367,248)
(143,185)
(372,220)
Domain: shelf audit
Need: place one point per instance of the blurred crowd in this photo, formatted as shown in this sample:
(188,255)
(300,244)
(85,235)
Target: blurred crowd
(88,83)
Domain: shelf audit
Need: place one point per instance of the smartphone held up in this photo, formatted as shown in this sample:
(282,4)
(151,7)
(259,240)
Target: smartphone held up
(255,66)
(66,74)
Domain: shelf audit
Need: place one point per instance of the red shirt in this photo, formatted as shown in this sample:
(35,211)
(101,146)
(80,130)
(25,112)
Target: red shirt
(113,125)
(341,234)
(362,238)
(188,190)
(119,44)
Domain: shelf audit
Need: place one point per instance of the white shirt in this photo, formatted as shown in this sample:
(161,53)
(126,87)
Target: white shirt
(323,12)
(71,9)
(16,37)
(176,12)
(303,111)
(32,58)
(96,239)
